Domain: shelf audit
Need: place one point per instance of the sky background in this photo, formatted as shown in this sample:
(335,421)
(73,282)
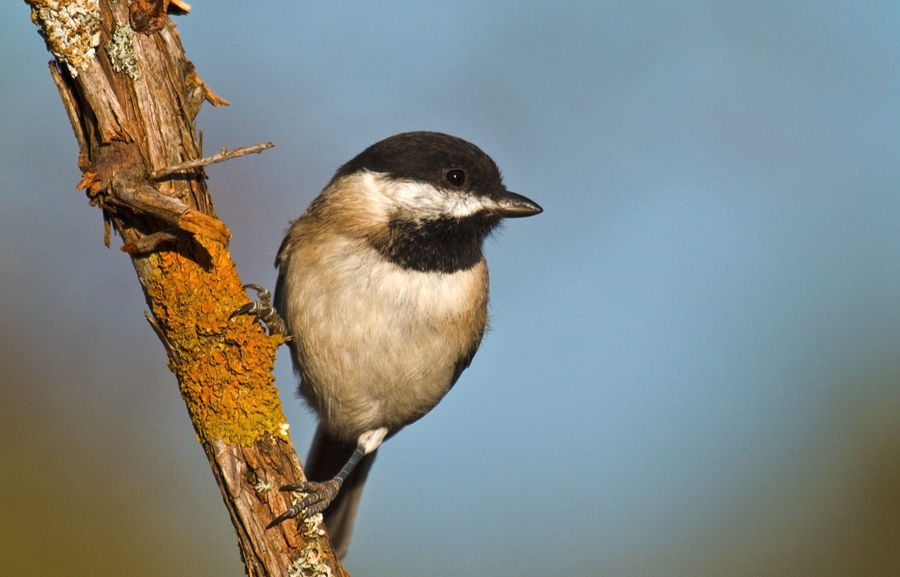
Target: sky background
(694,366)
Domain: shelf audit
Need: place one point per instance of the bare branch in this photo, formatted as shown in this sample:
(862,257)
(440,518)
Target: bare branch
(221,156)
(127,126)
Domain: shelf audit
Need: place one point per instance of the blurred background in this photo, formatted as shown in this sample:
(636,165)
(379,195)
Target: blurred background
(694,367)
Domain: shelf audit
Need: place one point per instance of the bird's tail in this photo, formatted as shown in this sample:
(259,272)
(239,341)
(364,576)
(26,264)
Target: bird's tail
(326,458)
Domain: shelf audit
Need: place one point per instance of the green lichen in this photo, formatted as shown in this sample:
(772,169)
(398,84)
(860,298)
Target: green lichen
(120,50)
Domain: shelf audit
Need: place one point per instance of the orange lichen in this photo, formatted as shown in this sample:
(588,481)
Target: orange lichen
(224,368)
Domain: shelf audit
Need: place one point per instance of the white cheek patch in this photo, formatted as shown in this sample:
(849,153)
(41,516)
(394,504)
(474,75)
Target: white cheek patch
(467,205)
(420,199)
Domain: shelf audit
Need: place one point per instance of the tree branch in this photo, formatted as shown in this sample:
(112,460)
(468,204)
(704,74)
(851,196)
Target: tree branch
(132,98)
(221,156)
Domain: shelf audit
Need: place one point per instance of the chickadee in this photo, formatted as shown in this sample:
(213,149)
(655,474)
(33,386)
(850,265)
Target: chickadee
(383,288)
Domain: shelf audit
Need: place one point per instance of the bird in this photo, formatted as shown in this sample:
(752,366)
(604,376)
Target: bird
(383,289)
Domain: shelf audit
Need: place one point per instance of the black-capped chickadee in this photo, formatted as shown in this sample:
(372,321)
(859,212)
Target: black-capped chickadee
(383,288)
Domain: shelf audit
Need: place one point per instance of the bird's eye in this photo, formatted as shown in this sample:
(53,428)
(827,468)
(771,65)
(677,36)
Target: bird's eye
(456,177)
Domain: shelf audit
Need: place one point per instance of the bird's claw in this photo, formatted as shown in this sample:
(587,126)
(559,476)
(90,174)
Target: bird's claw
(262,310)
(318,497)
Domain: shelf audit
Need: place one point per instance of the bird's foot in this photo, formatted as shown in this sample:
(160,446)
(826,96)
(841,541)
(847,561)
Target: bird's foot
(318,497)
(262,310)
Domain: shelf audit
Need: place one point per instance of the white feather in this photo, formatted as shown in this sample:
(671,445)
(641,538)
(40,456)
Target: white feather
(420,199)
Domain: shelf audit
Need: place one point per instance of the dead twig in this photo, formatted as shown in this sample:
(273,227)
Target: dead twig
(221,156)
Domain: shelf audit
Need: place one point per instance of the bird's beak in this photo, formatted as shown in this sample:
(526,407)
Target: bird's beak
(512,205)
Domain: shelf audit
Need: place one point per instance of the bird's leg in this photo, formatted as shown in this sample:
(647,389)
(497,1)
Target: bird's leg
(262,310)
(320,494)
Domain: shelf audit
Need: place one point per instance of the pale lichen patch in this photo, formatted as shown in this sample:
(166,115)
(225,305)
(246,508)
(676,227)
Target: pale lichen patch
(71,29)
(120,50)
(312,561)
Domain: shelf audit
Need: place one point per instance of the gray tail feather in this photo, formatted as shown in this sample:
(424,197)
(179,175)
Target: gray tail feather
(326,458)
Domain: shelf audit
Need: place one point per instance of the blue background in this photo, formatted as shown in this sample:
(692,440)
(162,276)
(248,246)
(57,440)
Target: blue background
(694,366)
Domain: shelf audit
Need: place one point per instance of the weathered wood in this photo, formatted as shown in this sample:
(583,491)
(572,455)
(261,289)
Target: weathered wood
(221,156)
(132,98)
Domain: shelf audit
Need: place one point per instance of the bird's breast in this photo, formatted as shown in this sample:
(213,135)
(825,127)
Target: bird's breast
(376,344)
